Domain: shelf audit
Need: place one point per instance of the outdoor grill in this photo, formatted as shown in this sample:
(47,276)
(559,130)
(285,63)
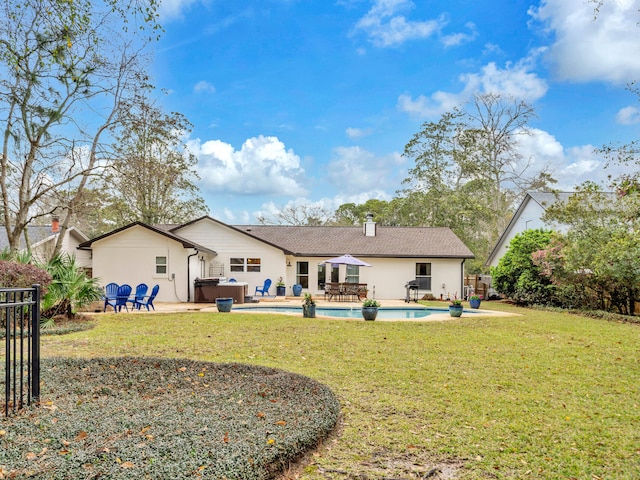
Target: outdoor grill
(412,287)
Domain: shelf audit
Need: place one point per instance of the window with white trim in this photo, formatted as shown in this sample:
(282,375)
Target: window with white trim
(302,274)
(353,274)
(161,265)
(423,275)
(237,264)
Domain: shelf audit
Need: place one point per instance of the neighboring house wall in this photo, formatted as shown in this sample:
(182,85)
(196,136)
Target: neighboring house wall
(527,217)
(43,249)
(530,218)
(130,257)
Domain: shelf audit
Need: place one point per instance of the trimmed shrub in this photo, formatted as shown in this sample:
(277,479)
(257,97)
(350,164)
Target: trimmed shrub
(21,275)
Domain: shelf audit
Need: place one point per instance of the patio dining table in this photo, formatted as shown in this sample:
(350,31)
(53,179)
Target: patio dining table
(345,291)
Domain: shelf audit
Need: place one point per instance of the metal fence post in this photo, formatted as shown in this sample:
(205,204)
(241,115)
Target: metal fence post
(35,344)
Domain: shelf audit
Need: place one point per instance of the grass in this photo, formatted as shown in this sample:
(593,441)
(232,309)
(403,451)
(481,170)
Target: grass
(544,395)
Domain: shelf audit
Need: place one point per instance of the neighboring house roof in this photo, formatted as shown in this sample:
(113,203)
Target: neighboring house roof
(324,241)
(38,234)
(544,200)
(185,243)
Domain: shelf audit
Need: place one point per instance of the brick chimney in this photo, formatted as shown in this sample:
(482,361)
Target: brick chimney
(55,224)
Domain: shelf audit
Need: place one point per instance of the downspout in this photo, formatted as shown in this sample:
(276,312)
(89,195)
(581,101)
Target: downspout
(462,278)
(189,275)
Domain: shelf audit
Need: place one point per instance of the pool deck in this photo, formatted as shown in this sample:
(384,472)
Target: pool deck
(167,307)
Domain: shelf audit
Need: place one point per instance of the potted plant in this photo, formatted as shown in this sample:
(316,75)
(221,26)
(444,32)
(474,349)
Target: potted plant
(455,306)
(280,288)
(370,309)
(474,301)
(308,306)
(224,304)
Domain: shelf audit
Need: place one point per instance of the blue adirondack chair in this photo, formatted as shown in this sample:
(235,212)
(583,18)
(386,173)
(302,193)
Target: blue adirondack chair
(110,293)
(141,291)
(147,301)
(121,298)
(265,287)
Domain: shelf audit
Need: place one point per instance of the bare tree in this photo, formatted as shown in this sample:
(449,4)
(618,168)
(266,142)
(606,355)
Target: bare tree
(65,68)
(298,215)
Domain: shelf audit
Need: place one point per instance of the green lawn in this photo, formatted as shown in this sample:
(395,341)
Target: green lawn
(542,395)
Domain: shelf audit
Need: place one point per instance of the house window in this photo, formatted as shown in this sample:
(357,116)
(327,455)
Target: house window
(423,275)
(237,264)
(253,264)
(335,273)
(161,265)
(322,275)
(302,274)
(353,274)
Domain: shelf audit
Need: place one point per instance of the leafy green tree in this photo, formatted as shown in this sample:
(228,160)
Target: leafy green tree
(517,276)
(152,175)
(468,171)
(601,250)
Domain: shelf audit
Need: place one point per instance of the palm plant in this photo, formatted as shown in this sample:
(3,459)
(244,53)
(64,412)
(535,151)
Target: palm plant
(70,288)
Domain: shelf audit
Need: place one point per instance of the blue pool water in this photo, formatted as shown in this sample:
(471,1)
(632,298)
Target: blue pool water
(351,312)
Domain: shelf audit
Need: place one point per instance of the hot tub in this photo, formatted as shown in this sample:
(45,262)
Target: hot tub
(206,290)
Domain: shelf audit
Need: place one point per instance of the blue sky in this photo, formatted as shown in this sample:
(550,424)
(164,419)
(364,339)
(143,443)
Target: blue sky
(312,101)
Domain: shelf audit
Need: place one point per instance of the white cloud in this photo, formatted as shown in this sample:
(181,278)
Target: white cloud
(170,9)
(385,27)
(628,116)
(354,133)
(204,87)
(456,39)
(587,48)
(356,170)
(569,166)
(262,166)
(326,204)
(514,80)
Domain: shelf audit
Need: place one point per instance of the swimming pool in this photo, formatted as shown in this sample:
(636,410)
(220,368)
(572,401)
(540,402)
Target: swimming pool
(354,312)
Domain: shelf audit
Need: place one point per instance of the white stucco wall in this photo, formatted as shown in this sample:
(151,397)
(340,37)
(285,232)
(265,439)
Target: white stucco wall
(386,278)
(228,243)
(129,257)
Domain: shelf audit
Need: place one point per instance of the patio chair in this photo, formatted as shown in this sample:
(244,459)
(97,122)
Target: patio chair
(332,290)
(121,298)
(149,299)
(141,291)
(265,288)
(110,293)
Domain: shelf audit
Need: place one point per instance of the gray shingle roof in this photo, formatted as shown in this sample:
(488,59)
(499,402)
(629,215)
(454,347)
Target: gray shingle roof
(36,233)
(323,241)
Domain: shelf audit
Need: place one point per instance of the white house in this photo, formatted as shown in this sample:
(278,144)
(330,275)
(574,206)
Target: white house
(174,256)
(528,216)
(43,238)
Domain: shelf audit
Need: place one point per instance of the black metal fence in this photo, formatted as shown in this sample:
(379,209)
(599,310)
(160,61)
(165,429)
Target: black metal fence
(20,321)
